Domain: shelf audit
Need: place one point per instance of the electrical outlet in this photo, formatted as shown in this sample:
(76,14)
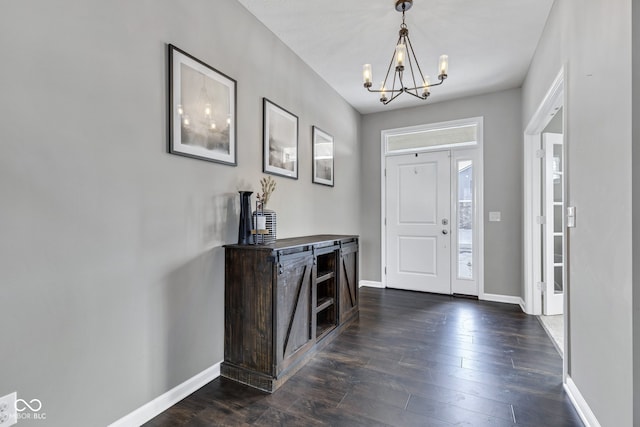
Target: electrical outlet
(8,415)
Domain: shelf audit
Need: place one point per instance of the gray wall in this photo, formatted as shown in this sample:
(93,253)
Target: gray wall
(111,266)
(592,39)
(636,210)
(502,181)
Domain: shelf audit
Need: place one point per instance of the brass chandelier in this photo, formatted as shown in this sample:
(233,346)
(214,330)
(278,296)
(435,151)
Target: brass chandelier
(404,56)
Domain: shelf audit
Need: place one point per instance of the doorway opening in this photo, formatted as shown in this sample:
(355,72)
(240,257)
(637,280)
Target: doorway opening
(545,251)
(432,231)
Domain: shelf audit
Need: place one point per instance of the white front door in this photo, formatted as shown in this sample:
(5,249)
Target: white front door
(418,231)
(554,242)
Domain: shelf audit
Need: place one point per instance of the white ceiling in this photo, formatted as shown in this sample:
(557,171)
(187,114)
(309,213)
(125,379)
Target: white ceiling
(490,42)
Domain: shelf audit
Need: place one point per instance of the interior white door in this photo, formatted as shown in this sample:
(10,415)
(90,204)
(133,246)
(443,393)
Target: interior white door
(554,227)
(418,195)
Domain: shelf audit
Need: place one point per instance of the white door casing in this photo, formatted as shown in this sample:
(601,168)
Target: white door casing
(418,222)
(533,241)
(554,100)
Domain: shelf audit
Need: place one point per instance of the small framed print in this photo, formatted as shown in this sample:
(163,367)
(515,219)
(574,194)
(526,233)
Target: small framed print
(202,110)
(322,157)
(280,141)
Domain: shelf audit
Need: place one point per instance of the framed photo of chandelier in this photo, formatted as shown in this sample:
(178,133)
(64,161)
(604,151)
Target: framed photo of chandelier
(322,157)
(202,110)
(280,141)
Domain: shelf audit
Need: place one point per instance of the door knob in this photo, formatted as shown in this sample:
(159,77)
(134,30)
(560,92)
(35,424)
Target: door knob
(445,221)
(445,231)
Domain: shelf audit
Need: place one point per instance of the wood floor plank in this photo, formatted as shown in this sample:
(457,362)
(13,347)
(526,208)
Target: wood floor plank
(273,417)
(386,413)
(331,414)
(220,413)
(528,415)
(457,415)
(411,359)
(440,395)
(381,393)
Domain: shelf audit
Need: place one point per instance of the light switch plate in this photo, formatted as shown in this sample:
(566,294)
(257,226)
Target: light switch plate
(571,216)
(494,216)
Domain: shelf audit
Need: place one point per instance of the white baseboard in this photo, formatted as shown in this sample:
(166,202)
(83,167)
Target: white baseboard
(583,409)
(485,297)
(168,399)
(522,305)
(371,284)
(502,298)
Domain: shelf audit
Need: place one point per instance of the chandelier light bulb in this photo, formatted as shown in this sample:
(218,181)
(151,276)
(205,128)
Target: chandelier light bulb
(207,110)
(367,75)
(444,66)
(228,120)
(185,120)
(383,93)
(426,84)
(401,55)
(180,109)
(213,125)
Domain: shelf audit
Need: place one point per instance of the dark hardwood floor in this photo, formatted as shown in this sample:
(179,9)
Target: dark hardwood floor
(411,359)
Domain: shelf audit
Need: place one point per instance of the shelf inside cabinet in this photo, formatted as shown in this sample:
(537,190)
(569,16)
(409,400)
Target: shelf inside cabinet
(323,329)
(326,290)
(323,303)
(324,276)
(326,316)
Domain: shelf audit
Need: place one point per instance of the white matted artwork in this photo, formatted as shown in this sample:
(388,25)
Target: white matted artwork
(323,162)
(280,141)
(202,110)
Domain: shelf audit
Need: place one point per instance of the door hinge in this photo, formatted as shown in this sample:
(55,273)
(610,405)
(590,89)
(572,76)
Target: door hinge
(539,154)
(540,220)
(385,271)
(385,173)
(541,287)
(385,222)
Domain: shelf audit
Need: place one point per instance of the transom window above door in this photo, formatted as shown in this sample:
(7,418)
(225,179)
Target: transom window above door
(452,134)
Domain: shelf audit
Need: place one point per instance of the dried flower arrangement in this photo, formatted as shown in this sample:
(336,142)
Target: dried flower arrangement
(268,187)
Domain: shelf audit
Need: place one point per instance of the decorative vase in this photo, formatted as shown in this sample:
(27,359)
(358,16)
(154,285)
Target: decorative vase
(259,226)
(244,228)
(270,224)
(264,226)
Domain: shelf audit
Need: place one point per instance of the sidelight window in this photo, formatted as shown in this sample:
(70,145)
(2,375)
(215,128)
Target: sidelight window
(465,207)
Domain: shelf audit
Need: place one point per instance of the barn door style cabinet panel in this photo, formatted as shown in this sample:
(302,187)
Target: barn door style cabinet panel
(283,302)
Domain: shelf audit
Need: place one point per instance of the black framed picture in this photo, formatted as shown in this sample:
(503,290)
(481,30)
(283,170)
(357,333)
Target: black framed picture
(322,157)
(280,141)
(202,110)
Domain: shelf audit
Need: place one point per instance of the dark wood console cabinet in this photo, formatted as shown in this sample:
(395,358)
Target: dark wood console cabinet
(285,301)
